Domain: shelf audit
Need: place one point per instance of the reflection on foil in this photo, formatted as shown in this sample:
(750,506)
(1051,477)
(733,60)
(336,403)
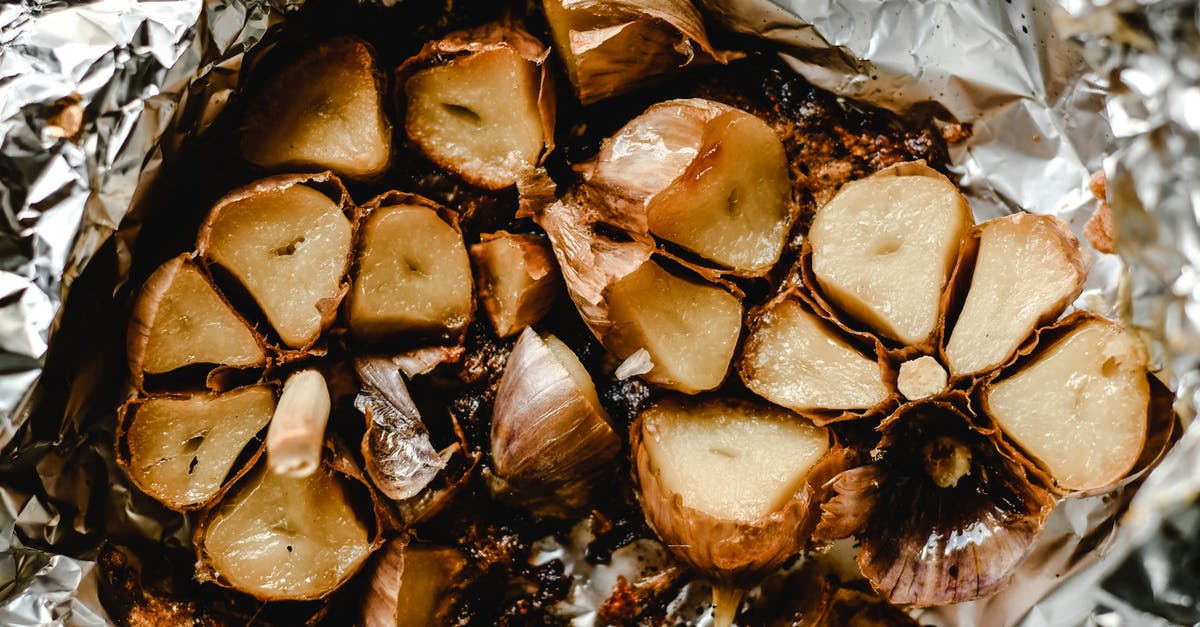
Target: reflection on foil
(145,75)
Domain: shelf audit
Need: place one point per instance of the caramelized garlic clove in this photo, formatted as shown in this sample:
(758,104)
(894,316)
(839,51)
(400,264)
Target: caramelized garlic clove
(517,279)
(794,359)
(480,104)
(180,320)
(281,538)
(1080,406)
(413,276)
(181,449)
(883,249)
(546,396)
(412,585)
(289,247)
(323,110)
(1024,270)
(611,48)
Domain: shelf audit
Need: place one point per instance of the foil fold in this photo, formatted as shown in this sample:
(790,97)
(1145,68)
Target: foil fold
(94,97)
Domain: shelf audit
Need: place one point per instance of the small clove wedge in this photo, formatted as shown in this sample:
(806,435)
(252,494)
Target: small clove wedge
(517,279)
(297,433)
(413,585)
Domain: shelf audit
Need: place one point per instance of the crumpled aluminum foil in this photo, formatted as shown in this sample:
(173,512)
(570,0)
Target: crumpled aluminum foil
(93,95)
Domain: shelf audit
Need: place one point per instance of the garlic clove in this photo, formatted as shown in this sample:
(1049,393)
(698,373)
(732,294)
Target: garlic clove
(277,537)
(1024,270)
(297,433)
(517,279)
(289,247)
(1079,406)
(611,48)
(181,449)
(733,203)
(884,247)
(400,459)
(551,438)
(630,302)
(794,359)
(481,104)
(323,110)
(733,488)
(413,276)
(180,320)
(413,585)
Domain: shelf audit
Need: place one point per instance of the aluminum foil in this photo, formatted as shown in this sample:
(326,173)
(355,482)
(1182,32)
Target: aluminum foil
(92,96)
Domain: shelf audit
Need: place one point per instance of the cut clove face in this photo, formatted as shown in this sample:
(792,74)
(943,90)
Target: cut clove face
(551,438)
(180,320)
(181,449)
(297,433)
(400,460)
(1026,270)
(278,537)
(883,249)
(413,279)
(701,175)
(517,279)
(1080,407)
(324,110)
(480,104)
(732,487)
(611,48)
(289,246)
(413,585)
(797,360)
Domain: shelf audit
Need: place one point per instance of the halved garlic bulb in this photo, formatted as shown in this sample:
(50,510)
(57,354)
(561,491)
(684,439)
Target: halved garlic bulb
(795,359)
(1080,406)
(289,246)
(517,279)
(700,174)
(323,110)
(551,438)
(1024,271)
(883,249)
(181,449)
(610,48)
(180,320)
(481,104)
(413,276)
(280,538)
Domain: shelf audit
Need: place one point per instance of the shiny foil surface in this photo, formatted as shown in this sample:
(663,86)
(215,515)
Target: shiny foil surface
(96,97)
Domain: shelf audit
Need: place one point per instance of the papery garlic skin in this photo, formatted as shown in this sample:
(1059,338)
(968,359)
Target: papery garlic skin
(400,459)
(551,438)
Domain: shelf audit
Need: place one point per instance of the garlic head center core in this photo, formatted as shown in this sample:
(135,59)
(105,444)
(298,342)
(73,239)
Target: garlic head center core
(947,461)
(921,378)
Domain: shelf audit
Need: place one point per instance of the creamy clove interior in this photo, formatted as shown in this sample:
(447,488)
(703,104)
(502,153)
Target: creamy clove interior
(1080,407)
(323,110)
(181,449)
(412,585)
(517,279)
(413,276)
(289,246)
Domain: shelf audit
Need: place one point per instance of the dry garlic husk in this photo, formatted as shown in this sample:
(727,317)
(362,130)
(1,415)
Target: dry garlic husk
(480,103)
(1083,407)
(1016,273)
(323,110)
(942,516)
(412,585)
(612,47)
(517,279)
(732,487)
(799,360)
(412,277)
(282,538)
(883,249)
(180,320)
(400,459)
(287,241)
(182,449)
(702,175)
(551,438)
(632,302)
